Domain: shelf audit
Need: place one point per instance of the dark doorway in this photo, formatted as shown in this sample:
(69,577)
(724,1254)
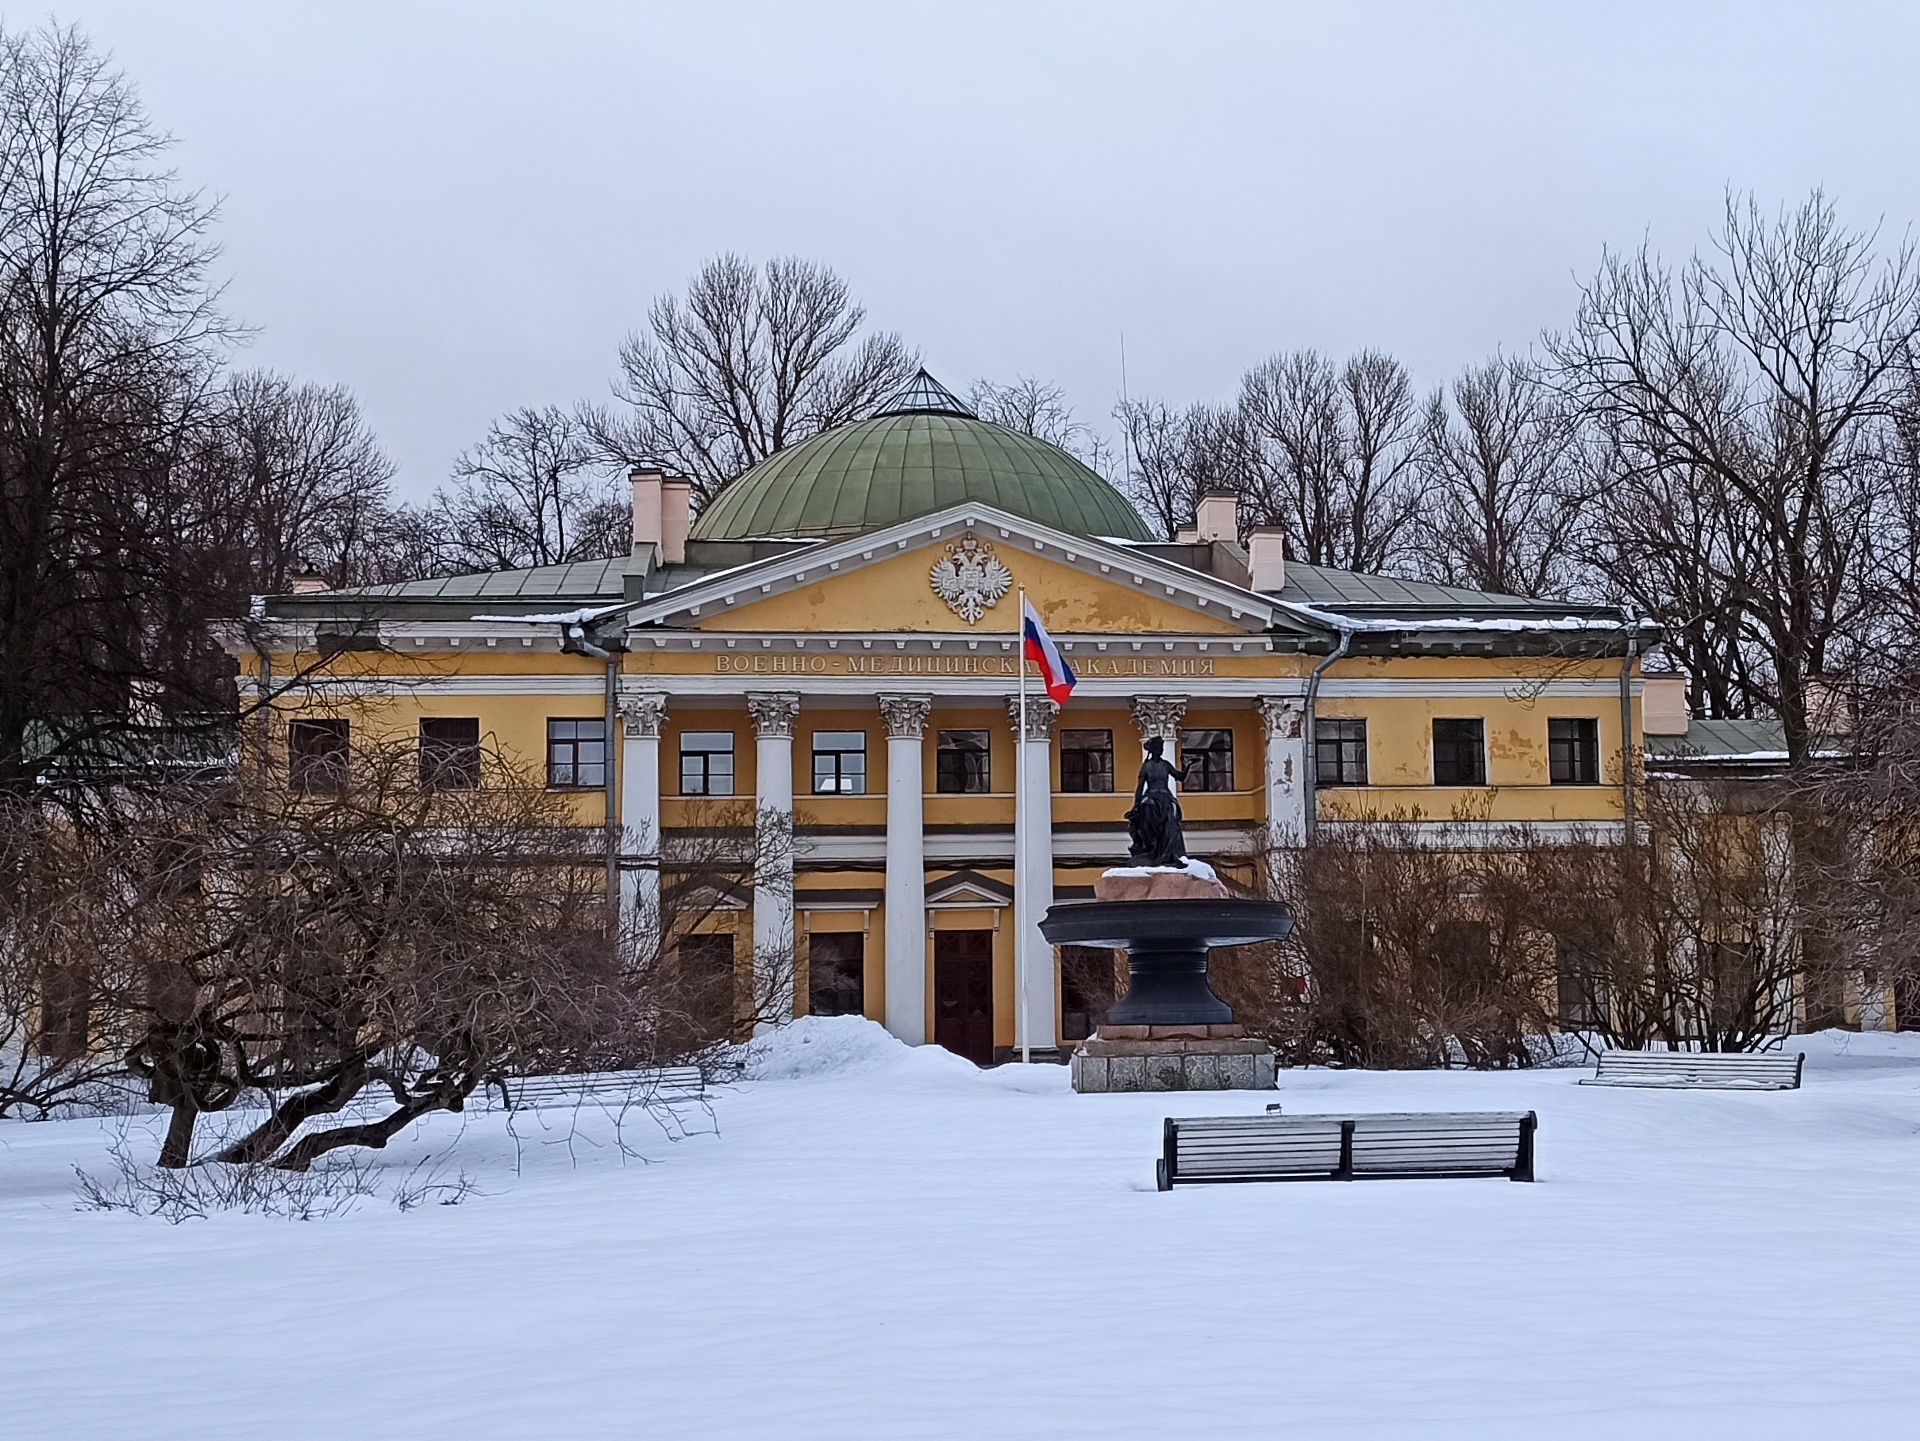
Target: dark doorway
(963,994)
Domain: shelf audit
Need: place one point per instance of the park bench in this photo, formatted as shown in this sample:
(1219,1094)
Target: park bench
(1274,1147)
(1698,1070)
(664,1083)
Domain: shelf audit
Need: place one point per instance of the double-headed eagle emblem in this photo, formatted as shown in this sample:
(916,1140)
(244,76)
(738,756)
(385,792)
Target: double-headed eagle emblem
(970,578)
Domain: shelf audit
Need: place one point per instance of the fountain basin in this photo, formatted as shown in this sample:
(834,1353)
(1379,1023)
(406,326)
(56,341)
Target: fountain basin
(1167,943)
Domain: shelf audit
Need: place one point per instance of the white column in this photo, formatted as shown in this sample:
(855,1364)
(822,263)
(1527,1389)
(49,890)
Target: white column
(641,714)
(1287,760)
(773,959)
(906,717)
(1033,871)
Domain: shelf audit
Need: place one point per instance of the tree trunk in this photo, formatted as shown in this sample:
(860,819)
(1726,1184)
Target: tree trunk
(178,1147)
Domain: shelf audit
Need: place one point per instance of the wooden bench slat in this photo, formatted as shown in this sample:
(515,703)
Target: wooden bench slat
(1697,1070)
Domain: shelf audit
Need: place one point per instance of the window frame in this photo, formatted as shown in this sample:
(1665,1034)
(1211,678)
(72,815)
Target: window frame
(1569,756)
(841,773)
(982,772)
(573,744)
(1343,746)
(434,773)
(1457,748)
(705,755)
(306,767)
(1105,773)
(1208,772)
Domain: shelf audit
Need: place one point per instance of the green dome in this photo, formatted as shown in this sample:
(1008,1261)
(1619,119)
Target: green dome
(923,453)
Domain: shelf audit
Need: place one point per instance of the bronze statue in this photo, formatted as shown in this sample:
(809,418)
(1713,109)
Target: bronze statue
(1153,825)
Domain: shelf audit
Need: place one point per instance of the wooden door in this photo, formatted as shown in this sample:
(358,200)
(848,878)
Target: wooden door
(963,994)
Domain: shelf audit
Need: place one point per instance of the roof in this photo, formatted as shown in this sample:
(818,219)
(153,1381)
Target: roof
(575,580)
(1724,741)
(1351,589)
(923,395)
(925,453)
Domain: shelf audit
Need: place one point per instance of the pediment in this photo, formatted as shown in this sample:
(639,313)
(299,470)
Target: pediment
(968,890)
(885,582)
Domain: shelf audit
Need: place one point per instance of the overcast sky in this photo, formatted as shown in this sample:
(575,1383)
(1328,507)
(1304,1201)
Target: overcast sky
(459,208)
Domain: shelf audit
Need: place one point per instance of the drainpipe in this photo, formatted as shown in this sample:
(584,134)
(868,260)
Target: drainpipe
(609,751)
(1626,720)
(1310,766)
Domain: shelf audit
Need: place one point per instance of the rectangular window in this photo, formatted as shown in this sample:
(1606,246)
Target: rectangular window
(317,756)
(576,754)
(1459,753)
(1208,757)
(450,754)
(839,763)
(837,973)
(1339,752)
(1086,762)
(961,764)
(706,763)
(1573,752)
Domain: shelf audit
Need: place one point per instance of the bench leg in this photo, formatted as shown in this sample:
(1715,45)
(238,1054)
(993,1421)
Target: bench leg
(1162,1180)
(1523,1164)
(1344,1172)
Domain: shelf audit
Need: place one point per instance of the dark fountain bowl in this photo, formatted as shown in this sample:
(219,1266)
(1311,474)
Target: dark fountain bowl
(1166,944)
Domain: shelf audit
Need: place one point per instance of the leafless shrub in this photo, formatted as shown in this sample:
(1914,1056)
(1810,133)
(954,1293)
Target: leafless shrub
(340,1185)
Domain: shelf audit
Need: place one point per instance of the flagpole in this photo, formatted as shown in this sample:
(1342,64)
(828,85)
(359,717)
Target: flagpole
(1020,903)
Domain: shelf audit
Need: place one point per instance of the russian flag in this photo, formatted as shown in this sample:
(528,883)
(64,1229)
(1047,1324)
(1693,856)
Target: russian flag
(1041,650)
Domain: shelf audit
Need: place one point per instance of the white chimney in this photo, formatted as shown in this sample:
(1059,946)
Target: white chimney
(1267,558)
(1663,704)
(676,519)
(648,506)
(1217,517)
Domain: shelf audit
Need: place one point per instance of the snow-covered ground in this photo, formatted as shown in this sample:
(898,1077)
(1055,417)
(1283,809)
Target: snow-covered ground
(868,1242)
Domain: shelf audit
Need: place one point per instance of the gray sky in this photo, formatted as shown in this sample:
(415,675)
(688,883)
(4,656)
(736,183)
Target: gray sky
(459,208)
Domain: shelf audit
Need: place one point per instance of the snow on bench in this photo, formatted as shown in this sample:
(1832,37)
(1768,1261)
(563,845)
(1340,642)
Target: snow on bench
(1697,1070)
(1275,1147)
(663,1083)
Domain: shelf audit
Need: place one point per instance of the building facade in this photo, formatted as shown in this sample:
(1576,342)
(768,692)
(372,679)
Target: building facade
(827,658)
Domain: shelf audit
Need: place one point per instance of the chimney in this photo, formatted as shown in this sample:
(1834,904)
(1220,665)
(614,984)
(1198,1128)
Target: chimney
(1829,708)
(1267,558)
(1217,516)
(307,582)
(1663,704)
(676,519)
(648,507)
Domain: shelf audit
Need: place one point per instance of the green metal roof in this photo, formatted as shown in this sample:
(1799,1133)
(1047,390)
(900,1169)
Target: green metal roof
(860,477)
(1344,589)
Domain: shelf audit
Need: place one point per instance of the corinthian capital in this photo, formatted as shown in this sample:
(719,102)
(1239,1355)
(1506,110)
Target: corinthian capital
(906,715)
(1159,715)
(773,712)
(643,712)
(1041,714)
(1282,716)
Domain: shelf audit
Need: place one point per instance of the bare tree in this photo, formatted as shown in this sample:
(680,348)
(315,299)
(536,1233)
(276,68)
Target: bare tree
(107,335)
(747,363)
(1747,405)
(287,478)
(1329,456)
(534,492)
(1500,461)
(379,926)
(1039,409)
(1173,457)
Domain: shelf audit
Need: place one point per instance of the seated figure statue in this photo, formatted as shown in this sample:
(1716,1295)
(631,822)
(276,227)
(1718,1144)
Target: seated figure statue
(1153,825)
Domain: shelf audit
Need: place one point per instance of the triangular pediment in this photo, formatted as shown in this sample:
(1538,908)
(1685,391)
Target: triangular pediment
(959,572)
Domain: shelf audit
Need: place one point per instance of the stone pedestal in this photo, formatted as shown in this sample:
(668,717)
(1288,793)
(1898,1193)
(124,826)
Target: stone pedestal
(1173,1058)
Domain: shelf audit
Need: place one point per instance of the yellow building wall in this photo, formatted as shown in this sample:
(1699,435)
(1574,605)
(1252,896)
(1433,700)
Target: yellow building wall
(894,595)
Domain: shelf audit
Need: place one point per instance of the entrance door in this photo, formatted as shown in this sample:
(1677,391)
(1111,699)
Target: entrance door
(963,994)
